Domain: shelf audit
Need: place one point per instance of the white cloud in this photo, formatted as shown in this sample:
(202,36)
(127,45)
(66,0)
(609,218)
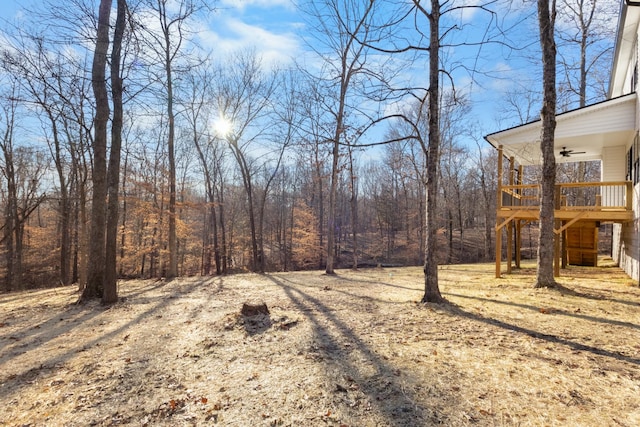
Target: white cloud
(502,67)
(242,4)
(505,78)
(467,10)
(234,35)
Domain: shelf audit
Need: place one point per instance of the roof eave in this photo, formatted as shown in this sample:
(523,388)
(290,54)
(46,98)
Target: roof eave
(619,38)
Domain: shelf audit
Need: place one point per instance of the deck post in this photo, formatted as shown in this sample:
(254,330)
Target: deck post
(556,238)
(518,242)
(498,207)
(510,226)
(556,241)
(565,257)
(519,181)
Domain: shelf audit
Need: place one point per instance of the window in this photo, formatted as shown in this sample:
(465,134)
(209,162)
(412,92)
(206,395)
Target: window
(633,162)
(636,160)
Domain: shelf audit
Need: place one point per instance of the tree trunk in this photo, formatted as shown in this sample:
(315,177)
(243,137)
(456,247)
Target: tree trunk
(460,224)
(431,288)
(110,293)
(261,211)
(123,226)
(96,265)
(245,171)
(584,39)
(84,237)
(320,188)
(224,250)
(450,235)
(213,217)
(9,226)
(65,236)
(65,206)
(545,277)
(353,203)
(83,232)
(19,250)
(172,271)
(488,209)
(75,241)
(333,189)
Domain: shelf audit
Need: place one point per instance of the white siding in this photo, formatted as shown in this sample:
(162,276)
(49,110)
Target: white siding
(626,241)
(613,163)
(626,248)
(613,169)
(608,118)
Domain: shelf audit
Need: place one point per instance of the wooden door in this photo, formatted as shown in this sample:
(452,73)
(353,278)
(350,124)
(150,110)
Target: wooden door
(582,244)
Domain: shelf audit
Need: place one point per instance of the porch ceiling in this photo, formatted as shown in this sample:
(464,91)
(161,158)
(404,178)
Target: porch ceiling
(606,124)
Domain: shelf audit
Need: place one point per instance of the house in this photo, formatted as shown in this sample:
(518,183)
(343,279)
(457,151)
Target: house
(606,132)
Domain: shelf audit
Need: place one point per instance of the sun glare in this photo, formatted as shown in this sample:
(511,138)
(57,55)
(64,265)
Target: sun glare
(222,126)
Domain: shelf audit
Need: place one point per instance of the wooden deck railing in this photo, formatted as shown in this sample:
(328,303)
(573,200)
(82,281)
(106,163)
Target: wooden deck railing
(596,196)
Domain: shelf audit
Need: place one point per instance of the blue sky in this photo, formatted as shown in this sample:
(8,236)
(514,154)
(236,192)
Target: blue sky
(271,27)
(274,28)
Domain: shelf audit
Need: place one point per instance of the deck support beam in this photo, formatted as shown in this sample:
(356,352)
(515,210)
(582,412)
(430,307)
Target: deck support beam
(510,241)
(519,180)
(557,252)
(499,206)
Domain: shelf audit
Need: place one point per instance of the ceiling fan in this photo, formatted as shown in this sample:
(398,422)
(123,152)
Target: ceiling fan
(567,153)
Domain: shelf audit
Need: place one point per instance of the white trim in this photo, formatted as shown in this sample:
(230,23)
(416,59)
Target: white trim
(589,129)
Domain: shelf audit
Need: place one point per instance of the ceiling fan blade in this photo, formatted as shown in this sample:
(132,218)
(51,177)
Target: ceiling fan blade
(567,153)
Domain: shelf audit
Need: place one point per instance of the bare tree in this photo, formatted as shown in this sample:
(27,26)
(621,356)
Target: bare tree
(315,152)
(199,116)
(416,14)
(286,123)
(431,288)
(521,103)
(484,170)
(584,52)
(96,267)
(585,49)
(452,167)
(342,28)
(546,19)
(110,294)
(353,203)
(411,130)
(244,94)
(167,44)
(21,170)
(50,82)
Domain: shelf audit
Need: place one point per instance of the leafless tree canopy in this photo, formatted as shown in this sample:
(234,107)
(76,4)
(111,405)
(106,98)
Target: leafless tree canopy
(130,150)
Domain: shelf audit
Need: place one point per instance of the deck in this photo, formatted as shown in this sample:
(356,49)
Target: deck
(577,203)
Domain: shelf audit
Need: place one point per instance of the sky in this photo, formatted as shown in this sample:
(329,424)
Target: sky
(275,29)
(269,26)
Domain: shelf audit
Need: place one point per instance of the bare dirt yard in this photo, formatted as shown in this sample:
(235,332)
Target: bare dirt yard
(355,349)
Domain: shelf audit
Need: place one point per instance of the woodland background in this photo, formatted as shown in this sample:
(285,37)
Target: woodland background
(255,196)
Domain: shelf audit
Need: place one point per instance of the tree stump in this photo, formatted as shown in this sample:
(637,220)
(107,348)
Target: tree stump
(255,318)
(250,310)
